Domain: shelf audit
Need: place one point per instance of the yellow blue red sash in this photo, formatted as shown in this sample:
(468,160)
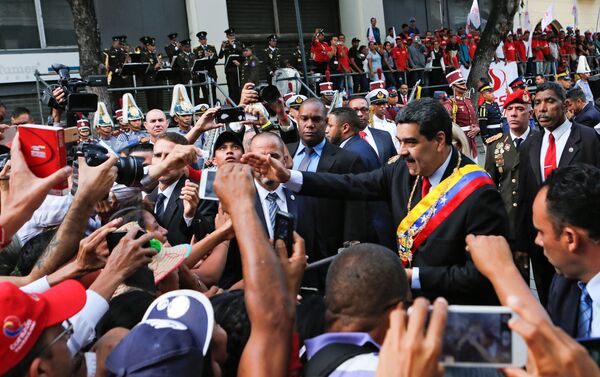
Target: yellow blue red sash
(436,206)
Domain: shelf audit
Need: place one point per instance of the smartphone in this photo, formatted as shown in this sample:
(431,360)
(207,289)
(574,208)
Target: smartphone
(479,336)
(592,345)
(284,229)
(230,114)
(207,180)
(143,277)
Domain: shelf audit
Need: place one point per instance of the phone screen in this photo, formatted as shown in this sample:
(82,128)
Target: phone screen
(229,115)
(472,337)
(207,181)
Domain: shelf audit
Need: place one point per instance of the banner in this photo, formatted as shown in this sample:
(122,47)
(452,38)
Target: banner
(21,67)
(575,15)
(501,74)
(548,17)
(474,20)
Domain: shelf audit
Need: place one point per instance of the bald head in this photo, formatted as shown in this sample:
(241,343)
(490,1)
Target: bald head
(156,123)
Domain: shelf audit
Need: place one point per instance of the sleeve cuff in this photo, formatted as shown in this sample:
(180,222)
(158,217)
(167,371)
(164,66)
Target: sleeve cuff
(295,182)
(415,282)
(39,286)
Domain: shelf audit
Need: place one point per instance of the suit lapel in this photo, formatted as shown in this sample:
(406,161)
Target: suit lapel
(572,146)
(292,148)
(173,202)
(379,144)
(534,156)
(261,213)
(292,205)
(327,158)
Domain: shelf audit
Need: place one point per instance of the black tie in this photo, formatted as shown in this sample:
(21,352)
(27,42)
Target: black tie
(160,206)
(518,142)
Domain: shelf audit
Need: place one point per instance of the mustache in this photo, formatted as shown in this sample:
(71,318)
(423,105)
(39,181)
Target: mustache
(408,158)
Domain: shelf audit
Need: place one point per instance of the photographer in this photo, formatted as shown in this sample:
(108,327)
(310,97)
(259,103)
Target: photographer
(321,52)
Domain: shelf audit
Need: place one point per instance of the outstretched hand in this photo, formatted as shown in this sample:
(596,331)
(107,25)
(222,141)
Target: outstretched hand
(234,185)
(267,167)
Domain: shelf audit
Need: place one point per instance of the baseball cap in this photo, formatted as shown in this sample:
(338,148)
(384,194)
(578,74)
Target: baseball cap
(171,340)
(226,136)
(26,316)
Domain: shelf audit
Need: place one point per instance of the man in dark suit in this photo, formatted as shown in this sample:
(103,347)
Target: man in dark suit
(176,198)
(583,112)
(440,266)
(561,144)
(569,233)
(379,140)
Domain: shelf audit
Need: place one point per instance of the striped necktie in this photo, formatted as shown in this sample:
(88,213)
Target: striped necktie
(584,324)
(273,208)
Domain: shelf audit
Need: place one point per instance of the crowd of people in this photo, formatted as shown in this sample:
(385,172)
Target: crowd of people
(138,271)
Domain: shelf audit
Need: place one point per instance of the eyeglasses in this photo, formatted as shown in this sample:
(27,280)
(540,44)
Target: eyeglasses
(68,331)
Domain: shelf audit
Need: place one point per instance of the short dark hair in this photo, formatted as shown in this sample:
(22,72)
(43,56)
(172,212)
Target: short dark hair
(540,75)
(553,86)
(573,197)
(362,282)
(20,111)
(346,115)
(431,117)
(174,137)
(575,94)
(316,101)
(125,310)
(32,250)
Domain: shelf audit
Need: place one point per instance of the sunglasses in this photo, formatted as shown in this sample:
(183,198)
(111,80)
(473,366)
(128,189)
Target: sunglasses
(68,331)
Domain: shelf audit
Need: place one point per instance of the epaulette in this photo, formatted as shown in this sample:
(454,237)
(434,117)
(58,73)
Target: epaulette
(393,159)
(491,139)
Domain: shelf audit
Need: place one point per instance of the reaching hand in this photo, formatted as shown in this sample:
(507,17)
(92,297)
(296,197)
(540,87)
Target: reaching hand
(180,157)
(489,252)
(189,195)
(256,112)
(223,223)
(128,256)
(95,182)
(267,167)
(412,348)
(234,186)
(249,95)
(207,120)
(93,250)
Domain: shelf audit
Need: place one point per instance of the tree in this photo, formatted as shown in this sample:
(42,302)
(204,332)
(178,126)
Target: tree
(85,24)
(500,21)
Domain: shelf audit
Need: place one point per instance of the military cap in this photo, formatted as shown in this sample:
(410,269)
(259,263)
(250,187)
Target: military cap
(518,96)
(295,101)
(272,37)
(377,96)
(185,42)
(201,35)
(116,38)
(563,75)
(485,88)
(83,124)
(123,38)
(440,94)
(519,82)
(200,109)
(146,40)
(230,31)
(172,36)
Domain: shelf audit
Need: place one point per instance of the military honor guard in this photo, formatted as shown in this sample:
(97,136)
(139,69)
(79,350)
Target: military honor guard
(272,56)
(83,130)
(378,99)
(182,110)
(148,53)
(490,117)
(114,59)
(583,71)
(563,78)
(461,109)
(133,117)
(173,48)
(232,51)
(103,127)
(250,67)
(209,53)
(293,102)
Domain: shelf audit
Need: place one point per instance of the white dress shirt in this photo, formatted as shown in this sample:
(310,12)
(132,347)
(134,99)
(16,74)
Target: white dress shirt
(281,203)
(593,289)
(371,140)
(389,127)
(167,193)
(522,137)
(561,135)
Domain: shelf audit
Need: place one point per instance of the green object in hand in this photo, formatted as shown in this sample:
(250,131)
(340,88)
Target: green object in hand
(156,245)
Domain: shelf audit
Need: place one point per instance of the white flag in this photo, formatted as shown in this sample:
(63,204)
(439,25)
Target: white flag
(548,17)
(526,21)
(394,33)
(574,13)
(371,36)
(473,19)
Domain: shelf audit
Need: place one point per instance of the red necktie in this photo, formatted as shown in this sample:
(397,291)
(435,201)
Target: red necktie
(362,134)
(403,99)
(550,159)
(425,187)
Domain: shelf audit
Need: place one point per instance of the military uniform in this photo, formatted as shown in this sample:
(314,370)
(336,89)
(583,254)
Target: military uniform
(272,57)
(184,63)
(153,96)
(172,49)
(250,70)
(210,53)
(114,59)
(490,119)
(297,59)
(232,72)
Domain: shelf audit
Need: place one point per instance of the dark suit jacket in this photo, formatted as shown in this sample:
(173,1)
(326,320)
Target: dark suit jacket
(588,116)
(445,269)
(385,145)
(563,304)
(364,151)
(583,146)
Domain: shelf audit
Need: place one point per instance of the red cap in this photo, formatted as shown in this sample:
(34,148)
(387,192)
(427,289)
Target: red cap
(287,96)
(83,123)
(119,114)
(25,316)
(455,77)
(326,88)
(379,84)
(518,96)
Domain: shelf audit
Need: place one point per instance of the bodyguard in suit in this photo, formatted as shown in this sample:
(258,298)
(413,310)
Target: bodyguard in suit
(569,233)
(582,111)
(379,140)
(562,143)
(429,175)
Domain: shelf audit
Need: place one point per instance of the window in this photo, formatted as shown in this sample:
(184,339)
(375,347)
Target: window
(35,24)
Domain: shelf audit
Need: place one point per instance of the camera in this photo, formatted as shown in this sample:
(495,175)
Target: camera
(130,170)
(75,102)
(267,93)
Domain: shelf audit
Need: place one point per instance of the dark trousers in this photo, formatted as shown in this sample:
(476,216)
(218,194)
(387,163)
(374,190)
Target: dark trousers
(153,96)
(233,86)
(543,272)
(206,92)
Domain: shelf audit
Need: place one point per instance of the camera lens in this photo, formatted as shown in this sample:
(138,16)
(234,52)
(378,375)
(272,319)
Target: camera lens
(130,170)
(270,94)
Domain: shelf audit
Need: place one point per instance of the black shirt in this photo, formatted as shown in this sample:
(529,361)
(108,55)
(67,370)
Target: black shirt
(354,54)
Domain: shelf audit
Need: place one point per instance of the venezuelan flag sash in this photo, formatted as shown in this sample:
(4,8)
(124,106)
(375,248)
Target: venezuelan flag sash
(436,206)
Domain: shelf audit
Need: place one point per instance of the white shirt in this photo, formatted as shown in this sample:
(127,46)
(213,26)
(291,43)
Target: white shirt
(434,180)
(281,203)
(167,193)
(561,135)
(593,289)
(389,127)
(371,140)
(522,137)
(585,86)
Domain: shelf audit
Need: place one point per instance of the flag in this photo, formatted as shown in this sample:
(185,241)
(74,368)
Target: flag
(548,17)
(526,21)
(370,35)
(473,19)
(394,31)
(574,13)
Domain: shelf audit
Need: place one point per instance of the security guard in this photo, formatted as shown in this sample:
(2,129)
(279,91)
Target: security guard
(250,67)
(231,50)
(209,52)
(114,59)
(184,63)
(173,48)
(272,56)
(148,52)
(490,117)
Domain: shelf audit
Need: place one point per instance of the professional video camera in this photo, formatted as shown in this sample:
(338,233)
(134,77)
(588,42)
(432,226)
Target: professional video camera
(75,102)
(130,170)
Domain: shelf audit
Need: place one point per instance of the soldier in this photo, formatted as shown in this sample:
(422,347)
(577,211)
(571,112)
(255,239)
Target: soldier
(184,63)
(461,109)
(182,112)
(153,96)
(490,117)
(272,56)
(296,60)
(209,52)
(83,130)
(231,50)
(114,58)
(173,48)
(502,158)
(250,67)
(564,79)
(132,116)
(124,127)
(103,127)
(377,99)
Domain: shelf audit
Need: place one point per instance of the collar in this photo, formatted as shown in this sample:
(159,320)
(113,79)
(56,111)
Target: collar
(524,136)
(343,143)
(560,130)
(263,192)
(169,190)
(315,344)
(592,287)
(317,148)
(437,176)
(272,48)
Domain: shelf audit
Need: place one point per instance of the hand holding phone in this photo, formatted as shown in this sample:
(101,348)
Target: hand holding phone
(284,230)
(230,115)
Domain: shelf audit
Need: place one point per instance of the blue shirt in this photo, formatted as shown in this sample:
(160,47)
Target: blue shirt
(314,160)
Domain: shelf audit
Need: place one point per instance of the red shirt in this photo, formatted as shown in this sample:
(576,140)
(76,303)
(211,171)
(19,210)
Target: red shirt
(319,51)
(537,49)
(545,48)
(400,56)
(472,48)
(343,61)
(451,60)
(510,52)
(522,50)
